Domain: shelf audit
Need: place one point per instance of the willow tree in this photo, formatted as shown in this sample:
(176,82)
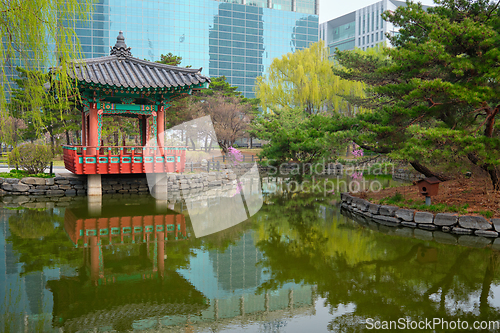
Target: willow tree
(304,80)
(37,35)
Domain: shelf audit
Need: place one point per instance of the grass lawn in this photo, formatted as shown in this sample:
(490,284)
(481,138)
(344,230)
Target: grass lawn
(21,174)
(253,151)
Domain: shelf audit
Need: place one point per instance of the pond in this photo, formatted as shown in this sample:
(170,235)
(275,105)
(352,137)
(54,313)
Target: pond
(297,265)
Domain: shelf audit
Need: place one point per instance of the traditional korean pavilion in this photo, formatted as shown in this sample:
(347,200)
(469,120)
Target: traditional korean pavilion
(120,85)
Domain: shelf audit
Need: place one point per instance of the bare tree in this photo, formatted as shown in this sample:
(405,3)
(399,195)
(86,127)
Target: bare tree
(229,116)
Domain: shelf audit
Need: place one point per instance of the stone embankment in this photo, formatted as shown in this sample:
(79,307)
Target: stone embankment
(408,176)
(442,227)
(72,185)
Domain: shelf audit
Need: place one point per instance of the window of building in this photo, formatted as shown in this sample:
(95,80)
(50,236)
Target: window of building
(376,37)
(372,38)
(377,19)
(359,41)
(363,40)
(373,21)
(343,32)
(364,23)
(381,35)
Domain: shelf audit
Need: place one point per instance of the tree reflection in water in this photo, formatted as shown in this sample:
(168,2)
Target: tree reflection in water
(384,277)
(299,238)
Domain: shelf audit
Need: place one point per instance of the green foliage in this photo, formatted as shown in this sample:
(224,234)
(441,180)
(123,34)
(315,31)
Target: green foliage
(45,245)
(304,80)
(221,85)
(170,59)
(398,200)
(349,263)
(486,213)
(295,137)
(347,162)
(434,95)
(54,116)
(32,158)
(21,174)
(31,224)
(38,28)
(394,199)
(384,168)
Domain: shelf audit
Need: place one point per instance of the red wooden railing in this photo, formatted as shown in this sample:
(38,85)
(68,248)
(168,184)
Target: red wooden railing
(117,230)
(87,160)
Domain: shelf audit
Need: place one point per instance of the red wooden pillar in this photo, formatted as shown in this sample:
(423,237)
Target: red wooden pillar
(160,119)
(94,260)
(93,134)
(84,129)
(160,238)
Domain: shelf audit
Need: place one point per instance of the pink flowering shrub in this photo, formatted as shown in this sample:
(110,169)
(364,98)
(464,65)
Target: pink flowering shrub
(234,155)
(357,151)
(239,188)
(357,175)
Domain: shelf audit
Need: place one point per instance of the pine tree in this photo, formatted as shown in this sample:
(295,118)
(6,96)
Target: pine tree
(435,95)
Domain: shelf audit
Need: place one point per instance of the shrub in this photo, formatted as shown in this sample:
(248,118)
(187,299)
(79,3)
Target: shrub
(398,197)
(31,157)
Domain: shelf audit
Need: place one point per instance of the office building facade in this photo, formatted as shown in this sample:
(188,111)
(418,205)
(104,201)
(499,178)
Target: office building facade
(363,28)
(234,38)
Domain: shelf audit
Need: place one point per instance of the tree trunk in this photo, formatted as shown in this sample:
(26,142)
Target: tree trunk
(486,287)
(223,146)
(210,145)
(427,172)
(489,168)
(68,141)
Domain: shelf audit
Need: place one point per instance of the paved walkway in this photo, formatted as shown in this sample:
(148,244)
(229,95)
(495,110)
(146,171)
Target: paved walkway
(56,169)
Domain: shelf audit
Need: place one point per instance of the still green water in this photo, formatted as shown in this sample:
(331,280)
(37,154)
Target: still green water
(298,265)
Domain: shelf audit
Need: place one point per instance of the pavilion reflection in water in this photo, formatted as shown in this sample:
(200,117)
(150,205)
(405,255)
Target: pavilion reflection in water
(123,283)
(123,277)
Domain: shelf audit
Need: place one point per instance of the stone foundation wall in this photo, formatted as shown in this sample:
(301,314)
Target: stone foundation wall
(407,176)
(72,185)
(446,225)
(31,186)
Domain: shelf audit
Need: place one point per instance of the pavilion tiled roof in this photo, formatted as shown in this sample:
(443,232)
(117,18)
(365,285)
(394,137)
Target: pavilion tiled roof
(121,69)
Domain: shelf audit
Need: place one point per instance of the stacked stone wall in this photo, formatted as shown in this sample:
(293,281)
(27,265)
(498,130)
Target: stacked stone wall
(443,227)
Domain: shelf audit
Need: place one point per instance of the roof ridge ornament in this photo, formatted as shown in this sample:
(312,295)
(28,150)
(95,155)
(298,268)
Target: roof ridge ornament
(120,49)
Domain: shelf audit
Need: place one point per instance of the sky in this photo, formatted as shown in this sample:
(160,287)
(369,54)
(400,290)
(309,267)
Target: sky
(330,9)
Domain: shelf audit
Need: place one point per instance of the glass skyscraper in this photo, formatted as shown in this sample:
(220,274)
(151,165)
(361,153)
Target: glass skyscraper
(363,28)
(234,38)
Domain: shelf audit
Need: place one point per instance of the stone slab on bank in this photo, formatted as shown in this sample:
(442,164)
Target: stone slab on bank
(446,224)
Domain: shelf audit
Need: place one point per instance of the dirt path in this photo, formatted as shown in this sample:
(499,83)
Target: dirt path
(476,194)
